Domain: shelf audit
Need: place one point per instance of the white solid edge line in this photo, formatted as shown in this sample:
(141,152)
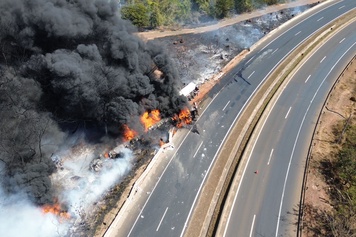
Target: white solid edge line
(300,127)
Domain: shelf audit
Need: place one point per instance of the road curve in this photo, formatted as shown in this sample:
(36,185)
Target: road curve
(267,198)
(165,201)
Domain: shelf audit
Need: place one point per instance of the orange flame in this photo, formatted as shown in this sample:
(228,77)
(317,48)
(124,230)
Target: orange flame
(56,210)
(106,155)
(150,119)
(183,118)
(129,134)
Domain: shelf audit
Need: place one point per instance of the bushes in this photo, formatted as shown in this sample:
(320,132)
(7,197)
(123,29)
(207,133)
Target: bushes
(155,13)
(342,220)
(137,14)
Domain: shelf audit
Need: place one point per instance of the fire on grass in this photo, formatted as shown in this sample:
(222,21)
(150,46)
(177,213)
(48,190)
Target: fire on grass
(57,210)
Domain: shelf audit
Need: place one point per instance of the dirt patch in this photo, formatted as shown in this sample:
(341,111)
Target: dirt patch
(325,143)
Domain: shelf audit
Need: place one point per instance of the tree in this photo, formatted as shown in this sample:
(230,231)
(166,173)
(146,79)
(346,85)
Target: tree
(185,7)
(156,18)
(223,7)
(204,6)
(271,2)
(243,6)
(346,164)
(138,14)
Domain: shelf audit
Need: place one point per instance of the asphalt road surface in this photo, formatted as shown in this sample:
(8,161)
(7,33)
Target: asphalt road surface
(166,210)
(267,201)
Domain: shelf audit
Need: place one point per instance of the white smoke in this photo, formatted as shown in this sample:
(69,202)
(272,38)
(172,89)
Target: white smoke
(19,217)
(80,185)
(77,185)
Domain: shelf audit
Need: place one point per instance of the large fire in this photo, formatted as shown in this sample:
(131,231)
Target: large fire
(183,118)
(56,210)
(129,134)
(150,119)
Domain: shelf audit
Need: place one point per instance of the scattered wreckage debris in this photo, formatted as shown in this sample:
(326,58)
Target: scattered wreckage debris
(99,162)
(189,91)
(168,145)
(195,129)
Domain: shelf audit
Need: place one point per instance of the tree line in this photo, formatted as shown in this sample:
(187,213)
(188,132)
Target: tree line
(156,13)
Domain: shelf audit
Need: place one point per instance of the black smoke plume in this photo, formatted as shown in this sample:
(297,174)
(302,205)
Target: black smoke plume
(70,61)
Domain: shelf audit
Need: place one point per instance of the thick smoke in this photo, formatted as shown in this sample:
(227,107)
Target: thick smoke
(70,62)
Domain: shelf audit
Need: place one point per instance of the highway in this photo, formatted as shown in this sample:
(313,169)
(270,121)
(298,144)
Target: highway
(166,204)
(267,203)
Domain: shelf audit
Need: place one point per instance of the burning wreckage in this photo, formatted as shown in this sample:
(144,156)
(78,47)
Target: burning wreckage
(85,176)
(97,172)
(151,121)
